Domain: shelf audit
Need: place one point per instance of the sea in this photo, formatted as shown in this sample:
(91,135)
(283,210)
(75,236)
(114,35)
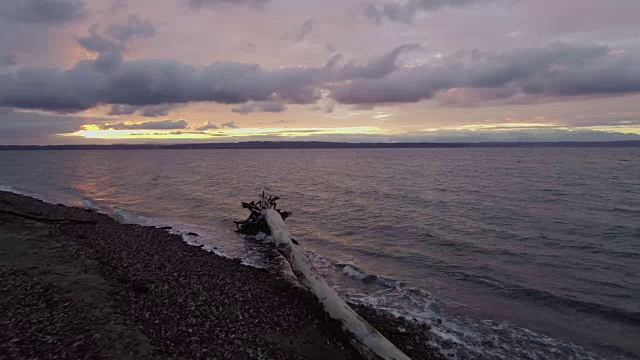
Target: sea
(507,253)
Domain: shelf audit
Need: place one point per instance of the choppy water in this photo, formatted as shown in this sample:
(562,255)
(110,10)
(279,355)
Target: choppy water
(509,253)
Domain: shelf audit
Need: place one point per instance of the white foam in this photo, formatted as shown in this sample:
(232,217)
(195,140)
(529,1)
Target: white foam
(91,205)
(205,238)
(456,338)
(354,273)
(34,195)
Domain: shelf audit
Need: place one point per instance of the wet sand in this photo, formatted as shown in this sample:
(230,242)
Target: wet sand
(121,291)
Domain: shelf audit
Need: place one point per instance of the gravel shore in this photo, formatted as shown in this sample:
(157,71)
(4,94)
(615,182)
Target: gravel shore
(122,291)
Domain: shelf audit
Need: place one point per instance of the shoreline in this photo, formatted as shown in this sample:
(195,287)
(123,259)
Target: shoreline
(114,290)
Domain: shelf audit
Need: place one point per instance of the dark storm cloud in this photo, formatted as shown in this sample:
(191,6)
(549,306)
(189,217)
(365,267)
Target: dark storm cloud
(148,111)
(556,70)
(110,80)
(148,125)
(406,12)
(157,110)
(118,109)
(259,106)
(45,12)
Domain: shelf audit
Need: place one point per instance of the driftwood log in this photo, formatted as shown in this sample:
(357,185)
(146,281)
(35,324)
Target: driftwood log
(369,342)
(256,222)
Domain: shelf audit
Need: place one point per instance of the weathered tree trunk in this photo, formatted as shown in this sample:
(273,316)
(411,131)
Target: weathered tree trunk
(364,337)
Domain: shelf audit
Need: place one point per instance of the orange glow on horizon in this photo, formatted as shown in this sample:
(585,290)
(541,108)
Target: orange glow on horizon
(95,132)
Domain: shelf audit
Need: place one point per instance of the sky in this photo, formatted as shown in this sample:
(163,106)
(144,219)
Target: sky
(186,71)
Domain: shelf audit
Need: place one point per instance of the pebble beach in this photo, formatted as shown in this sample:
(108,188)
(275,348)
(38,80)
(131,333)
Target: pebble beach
(100,289)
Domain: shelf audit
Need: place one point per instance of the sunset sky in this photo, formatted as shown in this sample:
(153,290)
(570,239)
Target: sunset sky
(116,71)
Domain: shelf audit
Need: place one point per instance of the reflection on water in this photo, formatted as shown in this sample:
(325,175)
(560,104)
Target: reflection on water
(547,239)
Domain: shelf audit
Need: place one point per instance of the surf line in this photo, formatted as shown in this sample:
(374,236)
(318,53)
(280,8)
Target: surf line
(267,218)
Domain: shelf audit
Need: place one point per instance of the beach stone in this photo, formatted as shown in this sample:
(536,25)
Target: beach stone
(125,291)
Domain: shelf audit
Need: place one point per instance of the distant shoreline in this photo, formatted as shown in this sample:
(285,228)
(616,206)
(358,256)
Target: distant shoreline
(329,145)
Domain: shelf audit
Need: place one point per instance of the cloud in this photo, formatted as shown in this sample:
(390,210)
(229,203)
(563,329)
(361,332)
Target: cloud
(118,109)
(110,52)
(198,4)
(553,71)
(207,126)
(111,44)
(147,125)
(329,107)
(326,108)
(21,127)
(302,31)
(153,82)
(148,111)
(466,97)
(134,27)
(263,106)
(41,12)
(111,80)
(407,12)
(118,5)
(376,67)
(157,110)
(230,125)
(7,60)
(98,43)
(277,122)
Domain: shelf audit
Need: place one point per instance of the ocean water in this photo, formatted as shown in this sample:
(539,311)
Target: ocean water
(507,253)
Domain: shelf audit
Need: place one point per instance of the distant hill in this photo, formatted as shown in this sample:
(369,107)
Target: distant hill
(326,145)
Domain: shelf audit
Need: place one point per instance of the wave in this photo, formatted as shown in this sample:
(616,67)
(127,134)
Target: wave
(469,338)
(34,195)
(552,300)
(549,299)
(356,273)
(627,210)
(206,237)
(196,235)
(456,338)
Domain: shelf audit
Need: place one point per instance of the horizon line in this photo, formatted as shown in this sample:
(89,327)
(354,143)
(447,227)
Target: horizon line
(324,144)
